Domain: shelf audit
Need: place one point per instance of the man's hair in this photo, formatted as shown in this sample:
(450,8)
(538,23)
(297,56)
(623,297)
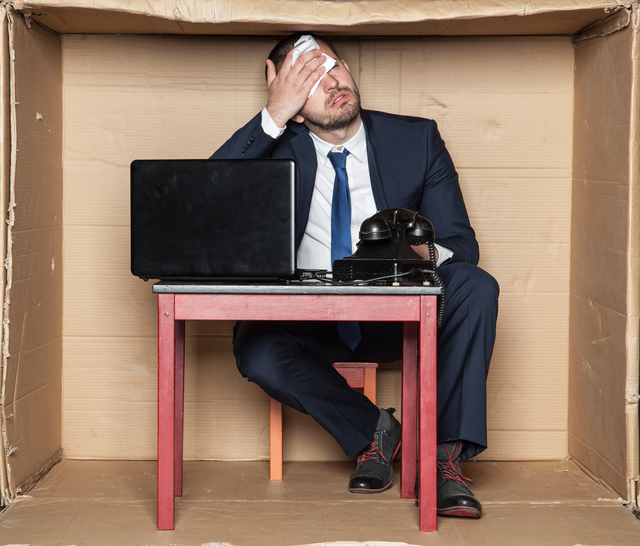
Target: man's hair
(282,48)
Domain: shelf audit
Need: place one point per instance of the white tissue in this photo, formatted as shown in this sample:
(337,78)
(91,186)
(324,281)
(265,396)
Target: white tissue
(303,45)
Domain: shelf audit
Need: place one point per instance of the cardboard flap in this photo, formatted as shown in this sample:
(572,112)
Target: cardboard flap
(603,372)
(366,17)
(32,336)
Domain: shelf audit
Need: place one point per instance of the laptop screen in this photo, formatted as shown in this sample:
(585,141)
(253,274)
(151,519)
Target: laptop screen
(213,219)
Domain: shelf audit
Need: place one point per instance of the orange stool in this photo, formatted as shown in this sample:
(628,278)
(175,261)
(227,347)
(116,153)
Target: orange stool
(359,375)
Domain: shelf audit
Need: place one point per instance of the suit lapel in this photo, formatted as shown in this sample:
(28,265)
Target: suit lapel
(304,153)
(374,172)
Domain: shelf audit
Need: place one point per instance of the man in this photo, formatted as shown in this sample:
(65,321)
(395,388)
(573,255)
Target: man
(313,115)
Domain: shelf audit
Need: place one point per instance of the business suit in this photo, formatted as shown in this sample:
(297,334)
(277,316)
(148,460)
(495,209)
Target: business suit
(410,168)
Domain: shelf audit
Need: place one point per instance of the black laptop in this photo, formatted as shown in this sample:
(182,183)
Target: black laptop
(213,220)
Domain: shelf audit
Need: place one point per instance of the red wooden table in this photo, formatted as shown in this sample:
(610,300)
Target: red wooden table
(415,306)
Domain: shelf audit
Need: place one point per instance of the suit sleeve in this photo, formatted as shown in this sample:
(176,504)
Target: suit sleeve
(442,202)
(249,142)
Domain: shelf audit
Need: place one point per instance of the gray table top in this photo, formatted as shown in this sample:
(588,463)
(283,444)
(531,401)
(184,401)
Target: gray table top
(304,287)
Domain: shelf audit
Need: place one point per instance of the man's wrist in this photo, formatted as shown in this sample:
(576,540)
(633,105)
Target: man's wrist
(269,126)
(443,253)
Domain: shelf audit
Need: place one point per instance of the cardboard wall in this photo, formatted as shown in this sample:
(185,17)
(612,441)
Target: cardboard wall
(604,268)
(564,378)
(32,342)
(505,109)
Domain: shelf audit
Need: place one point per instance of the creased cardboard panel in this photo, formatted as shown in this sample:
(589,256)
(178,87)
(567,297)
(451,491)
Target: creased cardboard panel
(500,103)
(123,101)
(182,97)
(551,503)
(504,107)
(34,294)
(599,308)
(130,97)
(378,17)
(112,383)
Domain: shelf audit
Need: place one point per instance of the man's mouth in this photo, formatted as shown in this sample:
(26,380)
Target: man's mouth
(340,98)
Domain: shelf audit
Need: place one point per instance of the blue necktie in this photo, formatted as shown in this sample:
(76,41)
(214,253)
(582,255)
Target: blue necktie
(341,234)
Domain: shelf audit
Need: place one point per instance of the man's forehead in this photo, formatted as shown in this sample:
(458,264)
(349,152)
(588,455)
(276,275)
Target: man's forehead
(327,50)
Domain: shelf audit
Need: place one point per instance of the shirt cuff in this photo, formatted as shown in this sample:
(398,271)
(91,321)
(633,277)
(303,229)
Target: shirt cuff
(444,254)
(269,126)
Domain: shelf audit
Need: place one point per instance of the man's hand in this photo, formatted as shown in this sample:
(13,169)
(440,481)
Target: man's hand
(289,88)
(423,251)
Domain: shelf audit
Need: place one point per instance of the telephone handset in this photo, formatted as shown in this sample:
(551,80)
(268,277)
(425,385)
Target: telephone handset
(385,254)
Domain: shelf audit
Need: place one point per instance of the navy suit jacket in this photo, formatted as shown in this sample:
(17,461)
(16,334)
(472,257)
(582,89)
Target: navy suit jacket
(408,163)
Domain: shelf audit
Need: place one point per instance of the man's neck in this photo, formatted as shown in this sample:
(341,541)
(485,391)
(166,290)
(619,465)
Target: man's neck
(336,136)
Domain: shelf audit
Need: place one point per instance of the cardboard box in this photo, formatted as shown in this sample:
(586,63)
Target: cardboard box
(538,104)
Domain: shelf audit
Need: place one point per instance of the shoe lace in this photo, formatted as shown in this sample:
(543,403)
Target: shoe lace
(371,453)
(449,469)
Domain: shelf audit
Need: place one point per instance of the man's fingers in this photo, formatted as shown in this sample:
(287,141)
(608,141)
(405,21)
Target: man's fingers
(303,61)
(312,66)
(315,76)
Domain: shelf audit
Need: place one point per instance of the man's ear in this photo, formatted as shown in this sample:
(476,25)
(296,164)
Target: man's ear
(346,65)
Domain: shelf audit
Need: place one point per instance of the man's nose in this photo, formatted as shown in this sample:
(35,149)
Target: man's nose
(329,82)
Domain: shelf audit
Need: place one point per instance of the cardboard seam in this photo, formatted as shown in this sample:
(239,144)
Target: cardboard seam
(8,495)
(590,473)
(632,387)
(619,19)
(30,482)
(4,161)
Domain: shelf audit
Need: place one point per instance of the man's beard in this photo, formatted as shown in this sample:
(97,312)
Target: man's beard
(330,121)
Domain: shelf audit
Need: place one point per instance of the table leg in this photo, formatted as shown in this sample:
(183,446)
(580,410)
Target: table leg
(409,409)
(179,406)
(166,411)
(428,413)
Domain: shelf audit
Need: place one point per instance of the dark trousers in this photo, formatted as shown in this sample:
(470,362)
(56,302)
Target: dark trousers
(292,362)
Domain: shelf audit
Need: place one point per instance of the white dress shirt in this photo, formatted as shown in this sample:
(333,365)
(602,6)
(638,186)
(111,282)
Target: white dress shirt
(315,249)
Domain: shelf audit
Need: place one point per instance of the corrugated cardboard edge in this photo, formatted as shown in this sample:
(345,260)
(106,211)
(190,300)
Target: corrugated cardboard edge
(5,162)
(632,389)
(620,19)
(8,204)
(340,543)
(337,13)
(337,16)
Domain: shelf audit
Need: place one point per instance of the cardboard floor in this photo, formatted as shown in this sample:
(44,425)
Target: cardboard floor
(234,503)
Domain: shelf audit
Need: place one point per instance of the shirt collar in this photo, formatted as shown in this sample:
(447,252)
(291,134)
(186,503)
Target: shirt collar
(357,146)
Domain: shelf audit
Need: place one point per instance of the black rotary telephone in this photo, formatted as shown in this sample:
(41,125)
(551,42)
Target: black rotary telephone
(385,254)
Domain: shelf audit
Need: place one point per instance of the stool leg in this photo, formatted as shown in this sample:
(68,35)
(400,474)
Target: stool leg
(275,440)
(369,386)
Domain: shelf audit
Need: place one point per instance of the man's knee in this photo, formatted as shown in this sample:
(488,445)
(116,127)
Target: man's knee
(259,354)
(483,285)
(472,283)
